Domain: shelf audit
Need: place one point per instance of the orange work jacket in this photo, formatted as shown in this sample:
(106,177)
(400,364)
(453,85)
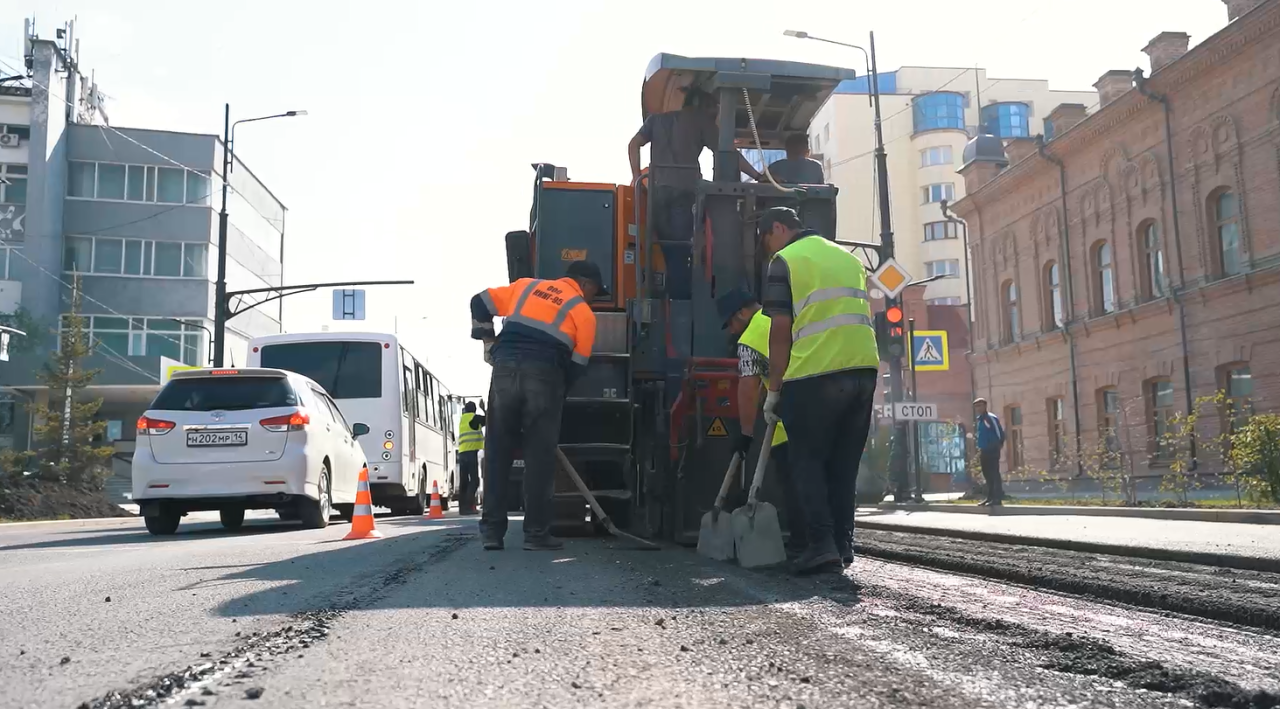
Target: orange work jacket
(556,308)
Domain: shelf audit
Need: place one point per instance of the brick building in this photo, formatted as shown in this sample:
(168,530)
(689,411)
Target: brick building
(1131,264)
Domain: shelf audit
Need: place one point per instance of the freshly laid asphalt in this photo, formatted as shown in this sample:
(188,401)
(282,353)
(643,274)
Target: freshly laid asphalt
(275,616)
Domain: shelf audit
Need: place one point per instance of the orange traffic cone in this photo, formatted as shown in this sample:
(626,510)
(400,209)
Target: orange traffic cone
(362,517)
(435,511)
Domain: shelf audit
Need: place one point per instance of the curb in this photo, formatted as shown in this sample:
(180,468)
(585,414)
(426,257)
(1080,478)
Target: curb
(1183,514)
(1227,561)
(94,522)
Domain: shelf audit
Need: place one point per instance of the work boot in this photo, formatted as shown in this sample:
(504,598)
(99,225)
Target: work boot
(817,560)
(545,543)
(493,544)
(845,550)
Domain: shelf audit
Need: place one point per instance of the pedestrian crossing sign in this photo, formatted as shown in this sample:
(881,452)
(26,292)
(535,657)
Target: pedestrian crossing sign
(929,351)
(717,429)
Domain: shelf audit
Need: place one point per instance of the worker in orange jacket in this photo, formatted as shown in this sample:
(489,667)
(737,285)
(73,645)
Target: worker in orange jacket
(546,340)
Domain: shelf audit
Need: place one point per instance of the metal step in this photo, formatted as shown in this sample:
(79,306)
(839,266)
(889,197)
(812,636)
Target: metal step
(600,494)
(572,447)
(594,400)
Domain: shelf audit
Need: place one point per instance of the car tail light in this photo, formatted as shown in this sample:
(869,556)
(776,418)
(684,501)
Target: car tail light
(295,421)
(154,427)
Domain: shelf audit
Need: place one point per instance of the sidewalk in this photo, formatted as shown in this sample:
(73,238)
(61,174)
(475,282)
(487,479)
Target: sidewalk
(1232,545)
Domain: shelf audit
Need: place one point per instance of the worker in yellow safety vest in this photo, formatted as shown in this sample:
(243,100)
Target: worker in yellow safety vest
(743,318)
(470,443)
(823,366)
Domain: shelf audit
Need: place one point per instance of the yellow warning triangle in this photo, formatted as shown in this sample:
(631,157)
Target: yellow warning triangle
(717,429)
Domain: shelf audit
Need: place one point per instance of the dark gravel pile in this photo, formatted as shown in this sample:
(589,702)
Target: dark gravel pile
(24,499)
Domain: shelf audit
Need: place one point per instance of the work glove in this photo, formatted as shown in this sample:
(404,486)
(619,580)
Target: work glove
(771,407)
(742,444)
(488,352)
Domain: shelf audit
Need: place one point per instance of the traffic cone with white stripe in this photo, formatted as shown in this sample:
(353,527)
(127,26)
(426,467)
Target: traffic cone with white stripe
(362,526)
(435,511)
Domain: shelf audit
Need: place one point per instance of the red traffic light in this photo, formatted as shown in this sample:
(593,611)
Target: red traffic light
(893,314)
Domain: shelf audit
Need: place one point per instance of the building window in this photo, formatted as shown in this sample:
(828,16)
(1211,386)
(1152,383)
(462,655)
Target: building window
(1009,294)
(1109,426)
(949,300)
(1152,262)
(1057,431)
(1052,297)
(1013,426)
(938,192)
(1237,384)
(939,155)
(1104,278)
(946,268)
(138,183)
(6,260)
(937,231)
(13,184)
(1226,215)
(23,132)
(1007,120)
(1160,415)
(120,336)
(1048,130)
(937,110)
(105,255)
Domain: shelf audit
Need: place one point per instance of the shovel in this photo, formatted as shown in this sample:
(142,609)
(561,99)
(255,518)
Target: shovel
(642,544)
(715,536)
(756,532)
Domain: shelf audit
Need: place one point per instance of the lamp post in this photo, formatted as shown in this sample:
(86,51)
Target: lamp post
(220,287)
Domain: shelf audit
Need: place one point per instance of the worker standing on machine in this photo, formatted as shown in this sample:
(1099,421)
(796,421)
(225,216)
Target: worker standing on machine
(823,366)
(546,341)
(677,139)
(470,443)
(742,317)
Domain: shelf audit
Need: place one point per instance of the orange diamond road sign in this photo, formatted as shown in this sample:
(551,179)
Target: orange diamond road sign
(891,278)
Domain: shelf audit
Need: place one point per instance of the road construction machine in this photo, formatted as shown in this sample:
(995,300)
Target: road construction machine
(650,425)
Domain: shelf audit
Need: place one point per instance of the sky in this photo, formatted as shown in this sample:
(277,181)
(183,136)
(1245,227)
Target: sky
(424,117)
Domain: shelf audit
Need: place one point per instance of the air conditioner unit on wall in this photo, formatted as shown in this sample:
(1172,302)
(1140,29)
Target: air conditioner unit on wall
(8,140)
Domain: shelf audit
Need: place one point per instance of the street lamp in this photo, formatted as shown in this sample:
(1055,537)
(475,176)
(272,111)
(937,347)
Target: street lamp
(798,34)
(220,287)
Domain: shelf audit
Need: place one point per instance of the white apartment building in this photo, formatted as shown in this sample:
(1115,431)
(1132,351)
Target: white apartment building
(929,114)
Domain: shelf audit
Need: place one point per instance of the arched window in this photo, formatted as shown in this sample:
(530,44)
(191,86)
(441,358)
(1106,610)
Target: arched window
(1104,279)
(1226,215)
(1052,297)
(1153,276)
(1007,120)
(940,109)
(1009,293)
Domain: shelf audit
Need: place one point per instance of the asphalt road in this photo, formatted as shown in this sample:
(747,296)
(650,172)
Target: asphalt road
(274,616)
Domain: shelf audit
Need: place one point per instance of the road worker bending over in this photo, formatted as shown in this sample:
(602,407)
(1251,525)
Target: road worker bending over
(823,365)
(545,344)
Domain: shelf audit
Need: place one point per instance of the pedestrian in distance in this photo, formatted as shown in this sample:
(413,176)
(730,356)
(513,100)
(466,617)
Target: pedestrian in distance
(823,367)
(744,319)
(676,140)
(546,341)
(990,441)
(470,443)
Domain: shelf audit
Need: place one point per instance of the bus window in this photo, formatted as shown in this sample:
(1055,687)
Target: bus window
(420,393)
(406,392)
(346,370)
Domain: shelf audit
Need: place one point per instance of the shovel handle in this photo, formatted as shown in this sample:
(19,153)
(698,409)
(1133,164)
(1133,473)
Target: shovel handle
(728,480)
(761,463)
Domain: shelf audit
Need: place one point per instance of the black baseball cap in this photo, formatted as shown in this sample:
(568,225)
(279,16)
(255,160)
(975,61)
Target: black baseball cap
(777,215)
(589,271)
(730,303)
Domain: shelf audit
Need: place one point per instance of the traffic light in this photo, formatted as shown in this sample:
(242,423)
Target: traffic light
(895,340)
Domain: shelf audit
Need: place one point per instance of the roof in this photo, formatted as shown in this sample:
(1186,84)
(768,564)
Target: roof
(795,91)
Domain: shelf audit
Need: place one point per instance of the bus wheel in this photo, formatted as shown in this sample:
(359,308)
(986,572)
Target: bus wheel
(418,503)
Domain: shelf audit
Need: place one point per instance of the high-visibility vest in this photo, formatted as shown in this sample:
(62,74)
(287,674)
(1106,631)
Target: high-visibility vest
(831,327)
(556,308)
(756,336)
(469,439)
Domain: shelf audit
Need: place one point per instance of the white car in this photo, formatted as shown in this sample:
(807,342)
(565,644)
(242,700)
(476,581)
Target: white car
(238,439)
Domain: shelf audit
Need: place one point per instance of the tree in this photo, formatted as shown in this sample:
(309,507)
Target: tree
(1255,456)
(67,448)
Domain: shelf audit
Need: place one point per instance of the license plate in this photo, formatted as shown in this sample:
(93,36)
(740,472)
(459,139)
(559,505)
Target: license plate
(517,463)
(217,438)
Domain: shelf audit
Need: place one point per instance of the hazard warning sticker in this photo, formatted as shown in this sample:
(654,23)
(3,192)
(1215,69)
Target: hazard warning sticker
(717,429)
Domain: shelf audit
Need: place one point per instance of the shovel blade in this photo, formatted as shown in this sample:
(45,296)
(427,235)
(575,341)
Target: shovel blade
(758,536)
(715,537)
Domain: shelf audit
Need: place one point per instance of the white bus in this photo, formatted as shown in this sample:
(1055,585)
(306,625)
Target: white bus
(374,380)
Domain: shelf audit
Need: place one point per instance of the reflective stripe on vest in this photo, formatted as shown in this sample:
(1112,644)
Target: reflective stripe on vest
(469,439)
(832,329)
(756,337)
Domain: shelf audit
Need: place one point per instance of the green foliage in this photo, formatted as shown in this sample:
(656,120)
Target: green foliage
(1255,457)
(67,436)
(1182,447)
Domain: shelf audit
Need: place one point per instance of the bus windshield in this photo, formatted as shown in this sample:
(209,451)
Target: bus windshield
(347,370)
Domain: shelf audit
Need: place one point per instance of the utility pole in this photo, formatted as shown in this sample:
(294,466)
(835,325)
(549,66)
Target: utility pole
(220,287)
